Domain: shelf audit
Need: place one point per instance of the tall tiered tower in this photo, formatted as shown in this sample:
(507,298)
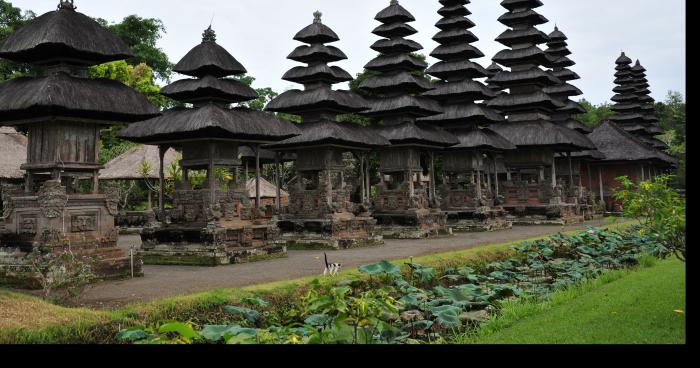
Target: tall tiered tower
(404,207)
(466,196)
(320,212)
(532,192)
(63,111)
(215,224)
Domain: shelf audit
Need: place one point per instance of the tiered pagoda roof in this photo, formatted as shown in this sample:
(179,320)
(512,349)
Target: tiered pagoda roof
(211,93)
(559,52)
(459,93)
(319,104)
(395,86)
(528,106)
(64,43)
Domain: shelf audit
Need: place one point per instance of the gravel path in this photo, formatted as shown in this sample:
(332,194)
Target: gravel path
(166,281)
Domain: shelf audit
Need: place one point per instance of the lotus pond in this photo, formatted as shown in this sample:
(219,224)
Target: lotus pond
(410,303)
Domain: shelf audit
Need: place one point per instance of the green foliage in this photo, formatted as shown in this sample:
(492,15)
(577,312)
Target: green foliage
(61,269)
(659,208)
(595,114)
(141,35)
(11,19)
(441,304)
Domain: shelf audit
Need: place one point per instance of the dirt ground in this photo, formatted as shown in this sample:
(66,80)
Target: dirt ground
(166,281)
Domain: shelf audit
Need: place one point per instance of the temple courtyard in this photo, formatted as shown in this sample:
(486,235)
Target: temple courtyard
(166,281)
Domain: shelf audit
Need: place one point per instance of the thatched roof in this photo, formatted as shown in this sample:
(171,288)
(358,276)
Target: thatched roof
(396,45)
(332,133)
(404,81)
(461,69)
(463,89)
(59,94)
(317,32)
(618,145)
(211,121)
(13,153)
(520,102)
(417,134)
(452,22)
(394,30)
(64,35)
(523,17)
(402,105)
(576,125)
(534,75)
(320,99)
(128,165)
(317,52)
(266,156)
(267,189)
(531,35)
(383,63)
(395,13)
(456,51)
(209,58)
(464,114)
(516,4)
(317,73)
(480,138)
(528,55)
(455,35)
(209,88)
(541,133)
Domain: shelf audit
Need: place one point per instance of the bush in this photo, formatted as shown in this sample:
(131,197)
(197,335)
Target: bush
(659,208)
(61,269)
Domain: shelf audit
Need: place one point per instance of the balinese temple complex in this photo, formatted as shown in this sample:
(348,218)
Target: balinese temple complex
(215,224)
(320,212)
(467,196)
(63,111)
(504,138)
(404,207)
(532,192)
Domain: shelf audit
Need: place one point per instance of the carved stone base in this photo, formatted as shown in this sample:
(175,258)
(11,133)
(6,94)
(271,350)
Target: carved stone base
(478,219)
(219,243)
(554,214)
(113,264)
(341,232)
(416,224)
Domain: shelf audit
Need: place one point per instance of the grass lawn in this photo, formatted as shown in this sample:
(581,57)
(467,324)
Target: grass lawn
(646,306)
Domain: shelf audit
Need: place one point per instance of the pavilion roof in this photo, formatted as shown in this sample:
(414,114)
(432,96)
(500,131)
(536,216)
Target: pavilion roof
(13,150)
(129,165)
(410,133)
(209,58)
(209,88)
(542,133)
(325,132)
(64,35)
(481,139)
(618,145)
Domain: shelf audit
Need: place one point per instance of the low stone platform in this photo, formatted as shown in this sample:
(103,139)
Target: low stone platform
(341,232)
(483,219)
(413,224)
(560,214)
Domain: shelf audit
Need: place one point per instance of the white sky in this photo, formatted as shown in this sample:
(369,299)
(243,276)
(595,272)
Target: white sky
(259,32)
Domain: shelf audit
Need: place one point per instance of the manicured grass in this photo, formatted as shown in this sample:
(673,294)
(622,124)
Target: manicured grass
(642,306)
(53,324)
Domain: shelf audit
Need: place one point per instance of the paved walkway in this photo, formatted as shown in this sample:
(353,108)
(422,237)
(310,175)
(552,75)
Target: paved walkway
(165,281)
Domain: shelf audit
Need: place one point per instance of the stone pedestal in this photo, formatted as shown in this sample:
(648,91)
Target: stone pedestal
(402,216)
(195,233)
(466,213)
(52,218)
(539,204)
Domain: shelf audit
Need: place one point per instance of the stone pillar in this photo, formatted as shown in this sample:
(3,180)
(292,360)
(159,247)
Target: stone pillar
(278,182)
(363,191)
(641,178)
(571,170)
(600,180)
(432,177)
(478,178)
(368,183)
(495,175)
(186,179)
(554,171)
(161,176)
(211,175)
(95,181)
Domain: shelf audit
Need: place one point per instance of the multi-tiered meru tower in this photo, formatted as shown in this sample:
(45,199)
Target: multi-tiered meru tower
(63,111)
(214,224)
(532,192)
(404,206)
(321,213)
(467,197)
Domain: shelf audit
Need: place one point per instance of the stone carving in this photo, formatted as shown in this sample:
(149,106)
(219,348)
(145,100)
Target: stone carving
(83,223)
(28,225)
(52,199)
(112,200)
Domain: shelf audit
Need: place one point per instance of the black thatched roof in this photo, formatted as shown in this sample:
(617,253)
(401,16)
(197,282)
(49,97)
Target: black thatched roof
(297,102)
(522,102)
(541,133)
(591,155)
(618,145)
(405,105)
(483,139)
(564,89)
(536,76)
(463,115)
(572,107)
(64,35)
(528,55)
(317,73)
(409,133)
(455,22)
(455,35)
(493,69)
(61,95)
(209,89)
(466,89)
(396,45)
(384,63)
(209,58)
(403,80)
(520,36)
(516,4)
(210,121)
(317,52)
(576,125)
(565,75)
(328,132)
(456,51)
(395,13)
(462,68)
(394,30)
(316,32)
(530,17)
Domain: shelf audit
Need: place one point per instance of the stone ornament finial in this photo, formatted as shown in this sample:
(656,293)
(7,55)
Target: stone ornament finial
(209,35)
(317,17)
(66,5)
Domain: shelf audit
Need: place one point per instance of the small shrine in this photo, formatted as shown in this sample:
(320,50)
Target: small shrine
(321,213)
(63,111)
(533,192)
(467,196)
(214,224)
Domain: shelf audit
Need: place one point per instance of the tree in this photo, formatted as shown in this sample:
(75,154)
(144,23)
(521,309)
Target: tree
(142,34)
(11,19)
(595,114)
